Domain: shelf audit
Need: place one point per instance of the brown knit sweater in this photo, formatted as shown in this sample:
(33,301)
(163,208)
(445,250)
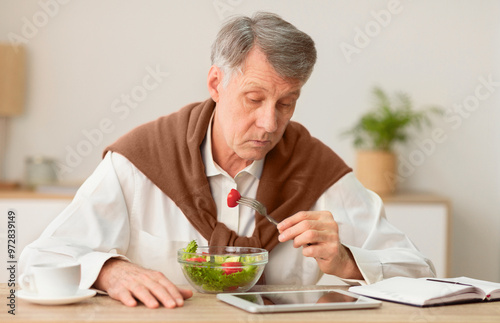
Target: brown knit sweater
(296,172)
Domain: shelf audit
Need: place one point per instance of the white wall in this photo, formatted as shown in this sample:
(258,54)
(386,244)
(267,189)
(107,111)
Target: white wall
(86,56)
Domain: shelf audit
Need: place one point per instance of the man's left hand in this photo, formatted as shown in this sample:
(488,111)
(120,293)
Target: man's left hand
(318,234)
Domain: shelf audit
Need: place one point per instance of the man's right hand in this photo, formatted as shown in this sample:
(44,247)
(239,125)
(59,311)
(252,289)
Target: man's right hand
(129,282)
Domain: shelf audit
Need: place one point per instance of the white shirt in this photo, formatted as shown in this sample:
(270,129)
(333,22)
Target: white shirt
(119,212)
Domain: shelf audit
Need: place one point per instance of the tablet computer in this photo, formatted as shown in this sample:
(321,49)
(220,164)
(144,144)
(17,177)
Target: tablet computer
(294,301)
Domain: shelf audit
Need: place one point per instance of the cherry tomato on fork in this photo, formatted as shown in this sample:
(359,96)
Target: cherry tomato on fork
(233,197)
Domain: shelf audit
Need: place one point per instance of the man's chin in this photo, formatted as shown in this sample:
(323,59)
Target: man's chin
(255,154)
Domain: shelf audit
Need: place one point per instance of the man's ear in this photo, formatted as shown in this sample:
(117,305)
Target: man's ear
(213,81)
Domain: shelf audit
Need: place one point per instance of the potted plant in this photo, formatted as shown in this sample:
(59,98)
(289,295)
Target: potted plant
(376,134)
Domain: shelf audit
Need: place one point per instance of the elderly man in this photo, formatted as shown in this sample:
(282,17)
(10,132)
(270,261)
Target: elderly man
(165,183)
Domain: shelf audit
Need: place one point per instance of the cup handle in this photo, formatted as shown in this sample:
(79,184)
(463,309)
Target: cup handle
(27,283)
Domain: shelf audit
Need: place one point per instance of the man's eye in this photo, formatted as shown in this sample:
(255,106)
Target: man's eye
(254,100)
(285,105)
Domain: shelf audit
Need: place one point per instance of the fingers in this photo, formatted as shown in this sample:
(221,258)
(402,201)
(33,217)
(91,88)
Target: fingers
(123,296)
(168,294)
(318,233)
(186,293)
(321,251)
(155,289)
(293,226)
(130,283)
(310,237)
(144,295)
(306,228)
(294,219)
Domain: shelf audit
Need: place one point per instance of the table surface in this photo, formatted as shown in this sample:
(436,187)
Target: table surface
(206,308)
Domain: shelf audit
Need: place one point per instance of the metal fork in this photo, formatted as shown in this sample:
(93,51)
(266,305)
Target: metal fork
(257,206)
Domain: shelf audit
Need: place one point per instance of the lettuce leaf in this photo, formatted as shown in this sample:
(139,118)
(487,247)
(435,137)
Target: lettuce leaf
(191,247)
(211,276)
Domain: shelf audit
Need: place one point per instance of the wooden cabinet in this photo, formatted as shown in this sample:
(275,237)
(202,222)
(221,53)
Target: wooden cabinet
(425,218)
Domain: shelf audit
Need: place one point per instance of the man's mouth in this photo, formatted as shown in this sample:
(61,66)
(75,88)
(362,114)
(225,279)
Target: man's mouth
(260,142)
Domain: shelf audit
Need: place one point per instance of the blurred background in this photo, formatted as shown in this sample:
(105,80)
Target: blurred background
(96,69)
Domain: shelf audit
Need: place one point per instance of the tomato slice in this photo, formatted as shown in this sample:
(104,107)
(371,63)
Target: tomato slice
(233,197)
(232,267)
(197,259)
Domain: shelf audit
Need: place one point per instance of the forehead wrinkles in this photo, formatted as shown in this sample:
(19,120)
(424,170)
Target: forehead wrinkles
(257,72)
(278,87)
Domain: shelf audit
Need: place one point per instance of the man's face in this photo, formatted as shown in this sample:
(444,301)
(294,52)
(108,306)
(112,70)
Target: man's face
(253,111)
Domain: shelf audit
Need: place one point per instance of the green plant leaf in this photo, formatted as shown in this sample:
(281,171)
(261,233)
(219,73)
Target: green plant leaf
(389,122)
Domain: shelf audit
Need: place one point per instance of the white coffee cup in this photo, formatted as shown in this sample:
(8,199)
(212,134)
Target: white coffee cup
(52,280)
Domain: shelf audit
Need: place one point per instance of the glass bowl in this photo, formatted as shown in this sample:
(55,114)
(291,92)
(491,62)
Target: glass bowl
(223,269)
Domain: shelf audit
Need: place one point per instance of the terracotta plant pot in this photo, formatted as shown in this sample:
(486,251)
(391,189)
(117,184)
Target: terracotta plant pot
(376,170)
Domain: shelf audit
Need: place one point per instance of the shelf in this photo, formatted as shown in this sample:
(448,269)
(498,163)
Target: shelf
(30,194)
(414,197)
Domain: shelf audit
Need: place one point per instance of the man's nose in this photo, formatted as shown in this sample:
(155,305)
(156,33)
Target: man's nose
(267,118)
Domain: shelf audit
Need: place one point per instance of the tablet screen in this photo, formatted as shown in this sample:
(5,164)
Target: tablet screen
(311,297)
(305,300)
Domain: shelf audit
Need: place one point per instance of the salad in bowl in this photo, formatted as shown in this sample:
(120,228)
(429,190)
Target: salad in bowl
(222,269)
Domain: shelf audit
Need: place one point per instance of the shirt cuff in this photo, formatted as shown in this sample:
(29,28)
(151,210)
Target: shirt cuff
(368,263)
(91,265)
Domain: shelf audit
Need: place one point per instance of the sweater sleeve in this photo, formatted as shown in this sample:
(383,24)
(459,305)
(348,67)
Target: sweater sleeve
(92,229)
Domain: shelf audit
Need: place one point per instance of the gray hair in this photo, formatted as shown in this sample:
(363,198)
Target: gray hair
(290,51)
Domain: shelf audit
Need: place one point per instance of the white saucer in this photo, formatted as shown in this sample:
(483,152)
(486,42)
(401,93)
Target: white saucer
(34,298)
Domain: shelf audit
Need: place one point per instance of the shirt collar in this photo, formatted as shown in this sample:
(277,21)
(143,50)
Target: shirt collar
(211,167)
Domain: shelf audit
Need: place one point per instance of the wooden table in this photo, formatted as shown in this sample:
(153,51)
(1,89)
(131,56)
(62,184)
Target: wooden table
(206,308)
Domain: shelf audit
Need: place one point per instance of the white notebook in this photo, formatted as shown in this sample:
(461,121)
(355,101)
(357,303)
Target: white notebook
(430,291)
